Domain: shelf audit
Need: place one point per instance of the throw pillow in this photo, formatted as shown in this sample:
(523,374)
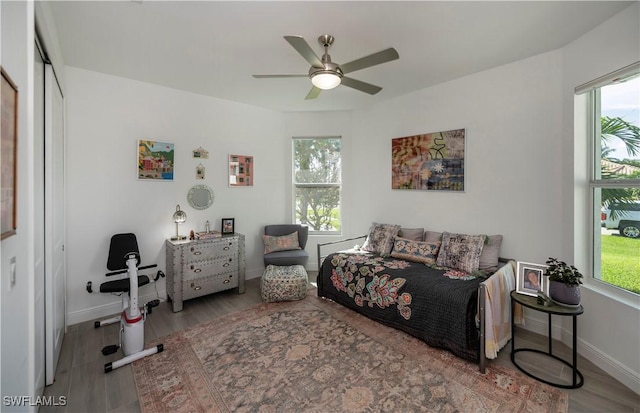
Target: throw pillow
(283,243)
(460,251)
(417,251)
(415,234)
(490,253)
(380,238)
(432,236)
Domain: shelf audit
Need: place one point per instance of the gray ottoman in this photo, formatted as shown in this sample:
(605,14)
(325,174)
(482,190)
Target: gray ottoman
(280,283)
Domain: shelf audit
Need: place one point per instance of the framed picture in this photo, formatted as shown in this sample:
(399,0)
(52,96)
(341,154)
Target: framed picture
(228,226)
(9,150)
(201,153)
(240,170)
(530,280)
(429,162)
(155,160)
(200,171)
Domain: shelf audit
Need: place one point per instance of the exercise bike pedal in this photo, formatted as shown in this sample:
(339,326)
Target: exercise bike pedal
(151,304)
(106,350)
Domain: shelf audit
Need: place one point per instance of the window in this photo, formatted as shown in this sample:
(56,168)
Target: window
(317,182)
(614,109)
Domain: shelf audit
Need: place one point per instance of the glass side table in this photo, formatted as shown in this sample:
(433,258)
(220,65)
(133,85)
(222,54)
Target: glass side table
(554,309)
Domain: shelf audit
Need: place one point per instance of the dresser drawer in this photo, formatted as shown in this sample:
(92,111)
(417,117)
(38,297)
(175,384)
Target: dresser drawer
(199,269)
(210,249)
(207,285)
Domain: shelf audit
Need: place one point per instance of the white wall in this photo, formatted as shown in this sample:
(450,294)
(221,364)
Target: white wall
(17,325)
(609,329)
(106,115)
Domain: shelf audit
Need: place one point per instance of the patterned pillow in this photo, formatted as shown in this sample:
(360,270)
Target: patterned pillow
(283,243)
(460,251)
(380,239)
(417,251)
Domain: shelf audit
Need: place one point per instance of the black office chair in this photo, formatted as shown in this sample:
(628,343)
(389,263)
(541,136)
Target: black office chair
(291,257)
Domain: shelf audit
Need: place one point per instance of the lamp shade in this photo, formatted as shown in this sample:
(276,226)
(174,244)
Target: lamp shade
(179,216)
(325,80)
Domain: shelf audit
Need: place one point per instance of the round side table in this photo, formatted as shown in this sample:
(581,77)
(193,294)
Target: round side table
(554,309)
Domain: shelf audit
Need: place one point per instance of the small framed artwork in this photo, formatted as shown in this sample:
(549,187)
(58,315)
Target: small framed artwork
(155,160)
(201,153)
(228,226)
(200,171)
(240,170)
(9,138)
(530,279)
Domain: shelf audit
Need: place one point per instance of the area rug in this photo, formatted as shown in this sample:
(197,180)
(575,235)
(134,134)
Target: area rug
(314,355)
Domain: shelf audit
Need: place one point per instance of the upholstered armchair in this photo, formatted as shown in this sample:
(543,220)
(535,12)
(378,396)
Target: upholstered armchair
(281,246)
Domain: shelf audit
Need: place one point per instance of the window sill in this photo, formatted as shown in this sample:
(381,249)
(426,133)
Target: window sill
(615,293)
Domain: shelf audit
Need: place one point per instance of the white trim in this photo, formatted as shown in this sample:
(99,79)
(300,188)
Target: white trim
(106,310)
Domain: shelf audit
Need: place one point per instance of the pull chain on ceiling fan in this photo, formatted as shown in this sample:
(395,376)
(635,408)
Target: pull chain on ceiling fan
(325,74)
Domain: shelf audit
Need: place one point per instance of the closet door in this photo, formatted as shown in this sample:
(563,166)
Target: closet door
(55,269)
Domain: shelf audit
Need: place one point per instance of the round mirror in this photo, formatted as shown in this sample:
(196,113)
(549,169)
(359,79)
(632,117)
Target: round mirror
(200,197)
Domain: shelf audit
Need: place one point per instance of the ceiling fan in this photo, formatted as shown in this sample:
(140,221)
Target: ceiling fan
(325,74)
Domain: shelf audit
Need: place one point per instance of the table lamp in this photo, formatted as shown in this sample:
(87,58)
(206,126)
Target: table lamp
(179,217)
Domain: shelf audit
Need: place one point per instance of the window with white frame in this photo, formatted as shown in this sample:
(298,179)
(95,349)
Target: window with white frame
(317,183)
(614,117)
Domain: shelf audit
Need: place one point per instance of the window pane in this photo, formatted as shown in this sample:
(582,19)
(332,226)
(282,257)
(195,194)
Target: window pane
(619,130)
(620,238)
(317,160)
(319,208)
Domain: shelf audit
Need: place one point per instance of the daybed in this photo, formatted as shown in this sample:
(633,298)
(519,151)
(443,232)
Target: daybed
(433,286)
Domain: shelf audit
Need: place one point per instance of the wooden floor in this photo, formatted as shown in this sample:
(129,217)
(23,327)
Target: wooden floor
(80,377)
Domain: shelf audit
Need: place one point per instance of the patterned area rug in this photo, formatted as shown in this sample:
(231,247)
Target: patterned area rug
(317,356)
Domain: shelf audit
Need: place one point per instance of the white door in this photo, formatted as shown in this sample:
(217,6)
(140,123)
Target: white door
(38,247)
(55,273)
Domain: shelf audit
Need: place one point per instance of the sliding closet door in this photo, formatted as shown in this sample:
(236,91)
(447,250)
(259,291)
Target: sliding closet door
(38,206)
(55,269)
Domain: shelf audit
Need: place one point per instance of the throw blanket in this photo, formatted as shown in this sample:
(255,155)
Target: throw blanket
(437,306)
(497,309)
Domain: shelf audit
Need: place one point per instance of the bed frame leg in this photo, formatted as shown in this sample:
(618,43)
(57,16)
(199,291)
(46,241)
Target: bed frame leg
(481,298)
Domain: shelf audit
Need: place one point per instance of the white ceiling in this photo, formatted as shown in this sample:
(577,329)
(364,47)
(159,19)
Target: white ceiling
(213,48)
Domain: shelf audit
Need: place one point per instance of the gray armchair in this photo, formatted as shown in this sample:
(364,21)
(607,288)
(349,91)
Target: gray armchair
(291,257)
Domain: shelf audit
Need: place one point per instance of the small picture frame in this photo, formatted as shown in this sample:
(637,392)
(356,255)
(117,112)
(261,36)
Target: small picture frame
(201,153)
(200,171)
(530,279)
(228,226)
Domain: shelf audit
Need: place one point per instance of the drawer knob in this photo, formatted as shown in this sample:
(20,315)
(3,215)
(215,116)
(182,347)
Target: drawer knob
(226,264)
(226,281)
(198,288)
(226,248)
(197,253)
(197,270)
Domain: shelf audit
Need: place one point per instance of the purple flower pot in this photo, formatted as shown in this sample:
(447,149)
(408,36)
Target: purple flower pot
(564,294)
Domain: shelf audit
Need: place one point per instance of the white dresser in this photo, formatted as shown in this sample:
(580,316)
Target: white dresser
(197,268)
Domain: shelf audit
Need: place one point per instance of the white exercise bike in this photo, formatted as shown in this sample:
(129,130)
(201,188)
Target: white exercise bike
(124,257)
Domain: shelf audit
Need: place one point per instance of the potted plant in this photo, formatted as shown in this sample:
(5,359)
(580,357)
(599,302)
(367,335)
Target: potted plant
(564,282)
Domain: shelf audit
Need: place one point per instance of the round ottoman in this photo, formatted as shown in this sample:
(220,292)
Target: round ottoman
(280,283)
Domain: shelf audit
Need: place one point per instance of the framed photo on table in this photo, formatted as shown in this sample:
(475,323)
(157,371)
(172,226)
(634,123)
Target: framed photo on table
(530,279)
(228,226)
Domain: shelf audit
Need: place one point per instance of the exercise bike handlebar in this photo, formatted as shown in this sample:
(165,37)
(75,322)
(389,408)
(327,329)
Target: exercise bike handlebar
(144,267)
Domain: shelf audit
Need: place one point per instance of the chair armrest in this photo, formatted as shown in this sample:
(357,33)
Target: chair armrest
(325,244)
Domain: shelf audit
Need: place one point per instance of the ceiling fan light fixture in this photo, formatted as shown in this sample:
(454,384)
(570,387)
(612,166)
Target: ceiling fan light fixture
(326,80)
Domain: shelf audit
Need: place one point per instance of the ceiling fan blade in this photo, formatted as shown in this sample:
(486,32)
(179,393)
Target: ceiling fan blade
(305,50)
(313,93)
(280,75)
(361,86)
(371,60)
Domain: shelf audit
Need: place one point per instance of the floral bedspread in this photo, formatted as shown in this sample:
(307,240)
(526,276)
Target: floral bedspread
(423,301)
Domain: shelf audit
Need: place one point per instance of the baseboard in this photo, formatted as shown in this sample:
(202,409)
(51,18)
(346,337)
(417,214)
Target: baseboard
(107,310)
(602,360)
